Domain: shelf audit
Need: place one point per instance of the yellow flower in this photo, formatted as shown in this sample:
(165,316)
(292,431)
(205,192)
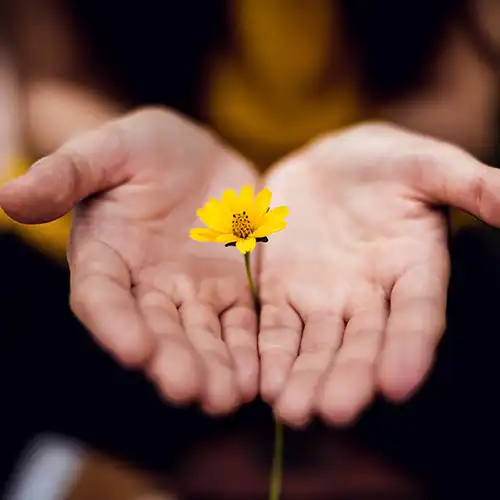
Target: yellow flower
(240,221)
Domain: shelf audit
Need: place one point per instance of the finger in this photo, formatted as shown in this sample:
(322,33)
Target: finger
(349,385)
(175,367)
(101,298)
(55,184)
(202,326)
(453,177)
(279,341)
(321,338)
(239,331)
(415,325)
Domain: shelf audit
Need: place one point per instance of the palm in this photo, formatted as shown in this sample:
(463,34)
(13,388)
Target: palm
(149,293)
(354,290)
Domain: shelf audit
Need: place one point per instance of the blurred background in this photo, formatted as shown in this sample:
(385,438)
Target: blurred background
(267,75)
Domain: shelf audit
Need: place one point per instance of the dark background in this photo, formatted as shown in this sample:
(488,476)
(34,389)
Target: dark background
(53,378)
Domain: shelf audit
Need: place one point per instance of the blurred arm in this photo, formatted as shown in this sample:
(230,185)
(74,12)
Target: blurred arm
(59,94)
(53,99)
(459,102)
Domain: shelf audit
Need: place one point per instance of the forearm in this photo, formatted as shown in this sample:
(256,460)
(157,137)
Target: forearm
(57,110)
(459,101)
(58,94)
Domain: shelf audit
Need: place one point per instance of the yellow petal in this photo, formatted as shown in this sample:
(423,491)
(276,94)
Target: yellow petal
(231,200)
(270,228)
(223,209)
(246,246)
(215,216)
(203,234)
(227,238)
(275,215)
(246,197)
(262,202)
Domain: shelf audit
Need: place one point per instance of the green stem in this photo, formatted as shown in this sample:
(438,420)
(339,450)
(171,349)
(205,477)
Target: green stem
(277,465)
(251,282)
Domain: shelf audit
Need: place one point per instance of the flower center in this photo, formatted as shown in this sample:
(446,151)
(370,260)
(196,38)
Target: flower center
(241,225)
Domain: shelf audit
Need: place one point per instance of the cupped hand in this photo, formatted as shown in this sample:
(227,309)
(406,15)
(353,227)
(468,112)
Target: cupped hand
(354,290)
(151,296)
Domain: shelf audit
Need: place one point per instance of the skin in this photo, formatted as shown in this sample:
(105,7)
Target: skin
(155,299)
(353,292)
(61,94)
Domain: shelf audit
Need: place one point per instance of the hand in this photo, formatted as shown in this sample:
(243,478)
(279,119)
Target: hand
(151,296)
(354,290)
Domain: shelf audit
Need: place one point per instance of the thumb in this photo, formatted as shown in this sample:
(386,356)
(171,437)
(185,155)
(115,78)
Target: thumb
(89,164)
(455,178)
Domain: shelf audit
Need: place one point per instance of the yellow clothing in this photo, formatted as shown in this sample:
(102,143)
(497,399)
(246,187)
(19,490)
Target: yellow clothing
(285,80)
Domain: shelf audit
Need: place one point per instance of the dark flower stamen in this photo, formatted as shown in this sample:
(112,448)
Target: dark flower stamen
(241,226)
